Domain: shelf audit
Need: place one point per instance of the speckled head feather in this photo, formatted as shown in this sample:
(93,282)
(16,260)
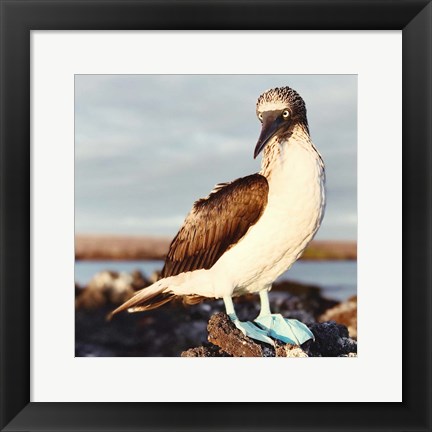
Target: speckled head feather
(281,98)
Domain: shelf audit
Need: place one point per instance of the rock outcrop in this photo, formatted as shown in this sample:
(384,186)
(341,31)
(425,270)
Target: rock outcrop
(172,329)
(225,340)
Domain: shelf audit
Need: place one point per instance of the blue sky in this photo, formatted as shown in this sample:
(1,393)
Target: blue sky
(148,146)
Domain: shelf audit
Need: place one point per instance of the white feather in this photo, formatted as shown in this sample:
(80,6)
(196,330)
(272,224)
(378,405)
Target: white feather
(293,214)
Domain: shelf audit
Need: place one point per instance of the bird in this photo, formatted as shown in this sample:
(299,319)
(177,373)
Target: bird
(247,232)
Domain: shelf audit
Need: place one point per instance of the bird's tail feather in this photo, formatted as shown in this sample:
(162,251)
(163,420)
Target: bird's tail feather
(192,287)
(148,298)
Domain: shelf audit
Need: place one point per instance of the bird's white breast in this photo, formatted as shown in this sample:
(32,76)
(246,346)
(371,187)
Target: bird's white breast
(291,218)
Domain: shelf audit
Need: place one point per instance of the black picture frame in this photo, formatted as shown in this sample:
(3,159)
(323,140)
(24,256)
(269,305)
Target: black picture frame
(18,18)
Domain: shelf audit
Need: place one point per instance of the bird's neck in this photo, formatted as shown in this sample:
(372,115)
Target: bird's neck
(284,155)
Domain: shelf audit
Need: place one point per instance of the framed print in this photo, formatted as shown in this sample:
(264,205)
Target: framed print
(52,53)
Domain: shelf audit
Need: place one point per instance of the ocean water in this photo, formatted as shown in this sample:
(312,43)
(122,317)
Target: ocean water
(337,279)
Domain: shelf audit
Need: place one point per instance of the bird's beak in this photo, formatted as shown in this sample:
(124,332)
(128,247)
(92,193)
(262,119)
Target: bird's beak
(272,122)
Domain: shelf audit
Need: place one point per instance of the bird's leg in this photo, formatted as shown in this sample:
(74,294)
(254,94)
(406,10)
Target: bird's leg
(246,327)
(265,303)
(287,330)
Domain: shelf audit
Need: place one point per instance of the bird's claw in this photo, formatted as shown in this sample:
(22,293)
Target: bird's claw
(289,331)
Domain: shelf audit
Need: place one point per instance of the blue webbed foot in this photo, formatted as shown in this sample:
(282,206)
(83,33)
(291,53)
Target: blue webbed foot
(289,331)
(249,329)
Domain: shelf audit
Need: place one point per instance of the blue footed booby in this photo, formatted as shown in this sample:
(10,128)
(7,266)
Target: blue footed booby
(247,232)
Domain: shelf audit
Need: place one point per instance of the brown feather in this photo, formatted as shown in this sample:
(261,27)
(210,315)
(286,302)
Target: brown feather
(216,223)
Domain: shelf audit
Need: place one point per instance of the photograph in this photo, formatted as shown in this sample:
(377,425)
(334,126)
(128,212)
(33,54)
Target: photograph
(215,215)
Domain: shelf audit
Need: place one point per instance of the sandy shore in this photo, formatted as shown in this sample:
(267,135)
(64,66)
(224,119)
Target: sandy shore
(112,247)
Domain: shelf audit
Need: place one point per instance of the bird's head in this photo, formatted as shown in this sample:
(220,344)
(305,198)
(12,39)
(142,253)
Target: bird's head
(279,110)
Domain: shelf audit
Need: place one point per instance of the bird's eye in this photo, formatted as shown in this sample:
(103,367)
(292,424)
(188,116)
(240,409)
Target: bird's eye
(260,116)
(285,114)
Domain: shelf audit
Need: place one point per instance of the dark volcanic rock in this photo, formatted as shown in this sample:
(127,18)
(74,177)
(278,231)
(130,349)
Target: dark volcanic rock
(164,332)
(331,340)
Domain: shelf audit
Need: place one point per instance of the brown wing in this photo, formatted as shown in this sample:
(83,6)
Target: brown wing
(216,223)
